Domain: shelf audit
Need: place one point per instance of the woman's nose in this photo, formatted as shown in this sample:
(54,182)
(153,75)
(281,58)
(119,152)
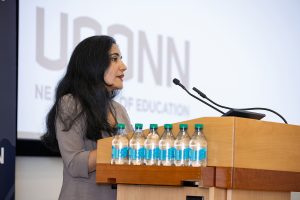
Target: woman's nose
(123,66)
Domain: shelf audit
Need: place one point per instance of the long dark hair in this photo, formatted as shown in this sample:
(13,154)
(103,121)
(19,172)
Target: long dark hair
(84,80)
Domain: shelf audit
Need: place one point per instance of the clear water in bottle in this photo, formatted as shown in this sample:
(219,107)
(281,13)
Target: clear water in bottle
(181,145)
(151,146)
(166,147)
(198,148)
(136,146)
(120,146)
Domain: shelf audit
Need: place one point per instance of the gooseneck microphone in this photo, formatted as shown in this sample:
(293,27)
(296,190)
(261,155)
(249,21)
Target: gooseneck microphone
(177,82)
(237,109)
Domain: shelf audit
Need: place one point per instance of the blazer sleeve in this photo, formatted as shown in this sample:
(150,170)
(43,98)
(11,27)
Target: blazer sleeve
(71,140)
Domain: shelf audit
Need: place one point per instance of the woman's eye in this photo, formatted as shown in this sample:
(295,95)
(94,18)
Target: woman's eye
(114,59)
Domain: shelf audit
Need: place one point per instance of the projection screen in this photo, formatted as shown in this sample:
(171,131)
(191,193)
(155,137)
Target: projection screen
(239,53)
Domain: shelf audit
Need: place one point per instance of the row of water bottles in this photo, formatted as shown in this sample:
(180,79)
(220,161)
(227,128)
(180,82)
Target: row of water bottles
(155,150)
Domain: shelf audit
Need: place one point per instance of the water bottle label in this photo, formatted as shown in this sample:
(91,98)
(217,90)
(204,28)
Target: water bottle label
(193,154)
(186,153)
(115,152)
(141,153)
(167,154)
(163,154)
(182,154)
(157,153)
(152,154)
(136,154)
(172,153)
(132,153)
(178,154)
(202,154)
(149,155)
(124,152)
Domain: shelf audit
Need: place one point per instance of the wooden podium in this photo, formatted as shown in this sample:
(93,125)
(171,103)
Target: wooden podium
(247,159)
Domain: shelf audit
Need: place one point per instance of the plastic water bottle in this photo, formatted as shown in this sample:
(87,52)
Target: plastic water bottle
(198,148)
(166,147)
(181,144)
(136,146)
(151,146)
(120,146)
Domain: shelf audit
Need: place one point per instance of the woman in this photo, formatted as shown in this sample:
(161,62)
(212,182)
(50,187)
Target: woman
(83,112)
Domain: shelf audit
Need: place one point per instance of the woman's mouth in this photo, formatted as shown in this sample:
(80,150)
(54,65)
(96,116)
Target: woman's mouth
(121,77)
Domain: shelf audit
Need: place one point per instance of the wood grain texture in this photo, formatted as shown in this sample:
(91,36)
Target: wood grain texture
(148,192)
(224,177)
(266,145)
(104,150)
(267,180)
(257,179)
(257,195)
(217,193)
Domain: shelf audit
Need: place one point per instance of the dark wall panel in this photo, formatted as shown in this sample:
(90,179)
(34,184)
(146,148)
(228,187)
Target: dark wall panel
(8,98)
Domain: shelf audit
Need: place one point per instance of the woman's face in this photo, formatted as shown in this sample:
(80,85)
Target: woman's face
(114,74)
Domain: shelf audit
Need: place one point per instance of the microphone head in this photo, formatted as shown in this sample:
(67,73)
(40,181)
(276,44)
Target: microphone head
(176,81)
(199,92)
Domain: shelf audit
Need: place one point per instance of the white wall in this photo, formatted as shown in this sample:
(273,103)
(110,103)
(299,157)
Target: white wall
(38,178)
(295,196)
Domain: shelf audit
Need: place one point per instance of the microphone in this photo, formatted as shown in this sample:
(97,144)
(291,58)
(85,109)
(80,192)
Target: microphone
(177,82)
(240,112)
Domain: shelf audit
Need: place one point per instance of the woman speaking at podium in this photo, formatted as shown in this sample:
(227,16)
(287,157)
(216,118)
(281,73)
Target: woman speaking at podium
(83,112)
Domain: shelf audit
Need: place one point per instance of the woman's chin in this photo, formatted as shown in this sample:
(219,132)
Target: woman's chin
(115,87)
(119,87)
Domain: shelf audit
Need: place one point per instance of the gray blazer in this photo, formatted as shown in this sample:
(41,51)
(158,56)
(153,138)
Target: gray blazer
(74,147)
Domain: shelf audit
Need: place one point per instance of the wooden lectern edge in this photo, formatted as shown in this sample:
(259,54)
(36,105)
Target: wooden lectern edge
(154,175)
(257,179)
